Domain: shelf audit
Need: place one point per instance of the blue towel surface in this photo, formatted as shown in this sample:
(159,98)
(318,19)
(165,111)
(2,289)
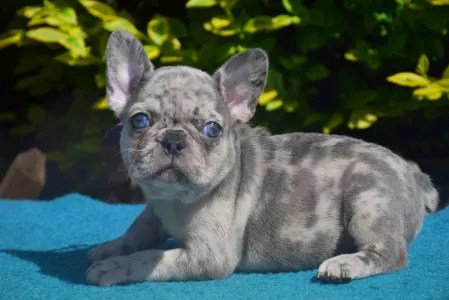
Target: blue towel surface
(43,248)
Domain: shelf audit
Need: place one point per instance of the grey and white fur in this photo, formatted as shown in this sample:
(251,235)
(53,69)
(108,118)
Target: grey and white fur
(247,201)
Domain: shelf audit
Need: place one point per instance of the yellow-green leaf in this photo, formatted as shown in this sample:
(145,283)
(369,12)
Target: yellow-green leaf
(267,96)
(257,23)
(439,2)
(152,51)
(201,3)
(334,122)
(228,4)
(408,79)
(284,21)
(219,22)
(350,55)
(12,37)
(115,23)
(171,59)
(273,105)
(98,9)
(287,5)
(101,104)
(76,46)
(29,11)
(362,123)
(445,72)
(443,83)
(423,65)
(228,30)
(432,92)
(158,29)
(68,14)
(47,35)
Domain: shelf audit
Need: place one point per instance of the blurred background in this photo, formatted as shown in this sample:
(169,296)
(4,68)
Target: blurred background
(376,70)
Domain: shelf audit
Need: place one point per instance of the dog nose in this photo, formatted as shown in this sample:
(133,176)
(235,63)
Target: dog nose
(174,142)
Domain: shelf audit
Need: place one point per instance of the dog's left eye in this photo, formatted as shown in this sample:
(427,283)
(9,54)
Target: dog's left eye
(212,130)
(140,121)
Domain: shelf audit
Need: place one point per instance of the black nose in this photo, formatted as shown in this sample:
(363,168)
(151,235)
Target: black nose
(174,142)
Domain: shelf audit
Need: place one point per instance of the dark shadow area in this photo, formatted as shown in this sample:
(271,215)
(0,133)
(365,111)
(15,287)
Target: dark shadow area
(68,264)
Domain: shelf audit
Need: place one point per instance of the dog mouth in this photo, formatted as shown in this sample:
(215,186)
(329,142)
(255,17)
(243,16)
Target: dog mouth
(170,173)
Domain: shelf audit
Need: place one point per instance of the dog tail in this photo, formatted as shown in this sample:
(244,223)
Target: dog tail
(426,188)
(435,197)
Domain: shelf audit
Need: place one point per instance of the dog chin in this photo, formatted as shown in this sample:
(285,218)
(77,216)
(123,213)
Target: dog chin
(170,174)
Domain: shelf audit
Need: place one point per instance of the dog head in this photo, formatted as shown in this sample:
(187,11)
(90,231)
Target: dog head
(178,121)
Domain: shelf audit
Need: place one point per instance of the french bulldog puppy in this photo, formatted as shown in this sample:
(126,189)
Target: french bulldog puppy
(237,199)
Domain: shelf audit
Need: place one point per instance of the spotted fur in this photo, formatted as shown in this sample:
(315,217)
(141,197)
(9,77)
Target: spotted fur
(248,201)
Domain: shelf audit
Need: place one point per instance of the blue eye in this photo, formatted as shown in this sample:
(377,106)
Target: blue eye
(140,121)
(212,130)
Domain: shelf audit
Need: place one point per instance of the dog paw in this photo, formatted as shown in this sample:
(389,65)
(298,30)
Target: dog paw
(106,250)
(336,270)
(109,272)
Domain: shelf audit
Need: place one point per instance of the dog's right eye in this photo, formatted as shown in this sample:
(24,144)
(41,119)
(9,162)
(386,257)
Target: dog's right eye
(140,121)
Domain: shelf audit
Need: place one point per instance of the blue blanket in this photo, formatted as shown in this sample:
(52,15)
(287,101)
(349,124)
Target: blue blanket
(43,248)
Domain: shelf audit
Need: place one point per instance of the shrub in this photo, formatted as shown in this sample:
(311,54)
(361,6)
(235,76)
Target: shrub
(331,62)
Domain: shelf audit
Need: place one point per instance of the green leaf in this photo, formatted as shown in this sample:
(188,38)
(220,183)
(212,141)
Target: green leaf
(47,35)
(7,116)
(22,130)
(334,122)
(177,28)
(317,72)
(91,145)
(27,82)
(423,65)
(445,72)
(201,3)
(70,60)
(56,156)
(158,30)
(98,9)
(115,23)
(12,37)
(35,114)
(100,80)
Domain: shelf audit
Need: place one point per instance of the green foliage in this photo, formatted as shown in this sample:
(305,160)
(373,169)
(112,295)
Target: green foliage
(313,45)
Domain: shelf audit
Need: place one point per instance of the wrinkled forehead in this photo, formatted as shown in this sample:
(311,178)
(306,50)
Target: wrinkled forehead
(178,92)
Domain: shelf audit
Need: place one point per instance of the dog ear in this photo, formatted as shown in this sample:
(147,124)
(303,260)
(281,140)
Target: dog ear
(126,64)
(241,81)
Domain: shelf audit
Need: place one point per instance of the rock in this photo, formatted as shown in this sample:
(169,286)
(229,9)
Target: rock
(26,176)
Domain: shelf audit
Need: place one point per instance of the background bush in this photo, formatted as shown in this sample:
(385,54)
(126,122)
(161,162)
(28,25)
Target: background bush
(335,65)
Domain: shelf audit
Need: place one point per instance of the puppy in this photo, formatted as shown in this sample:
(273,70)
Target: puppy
(238,199)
